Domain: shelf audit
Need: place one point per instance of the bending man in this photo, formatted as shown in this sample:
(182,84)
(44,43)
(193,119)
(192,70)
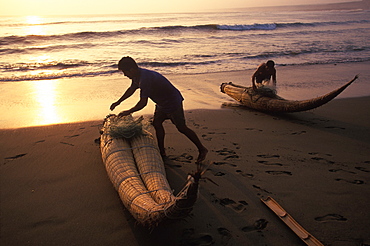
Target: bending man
(264,72)
(168,101)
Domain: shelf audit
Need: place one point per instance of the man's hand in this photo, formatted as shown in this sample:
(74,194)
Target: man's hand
(124,113)
(114,105)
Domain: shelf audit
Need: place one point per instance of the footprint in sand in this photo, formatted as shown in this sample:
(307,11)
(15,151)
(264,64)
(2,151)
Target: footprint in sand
(216,133)
(356,181)
(229,154)
(219,163)
(269,156)
(15,157)
(317,153)
(331,217)
(67,143)
(298,133)
(335,127)
(258,225)
(322,159)
(227,202)
(219,174)
(196,125)
(183,158)
(279,173)
(319,158)
(270,163)
(340,170)
(236,206)
(363,169)
(261,189)
(248,175)
(225,235)
(208,138)
(190,238)
(236,145)
(72,136)
(253,129)
(12,158)
(205,137)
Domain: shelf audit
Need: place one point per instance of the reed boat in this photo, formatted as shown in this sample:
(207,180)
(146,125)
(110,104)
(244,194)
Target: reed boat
(136,170)
(266,100)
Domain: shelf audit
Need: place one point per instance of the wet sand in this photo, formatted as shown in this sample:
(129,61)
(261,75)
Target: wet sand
(87,99)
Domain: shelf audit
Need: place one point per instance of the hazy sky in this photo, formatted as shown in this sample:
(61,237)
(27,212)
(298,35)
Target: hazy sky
(50,7)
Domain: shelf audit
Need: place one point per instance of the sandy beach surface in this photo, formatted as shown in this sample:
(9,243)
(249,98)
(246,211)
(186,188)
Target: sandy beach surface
(316,164)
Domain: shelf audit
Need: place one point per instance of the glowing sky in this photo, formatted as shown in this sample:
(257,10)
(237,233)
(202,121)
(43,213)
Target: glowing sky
(66,7)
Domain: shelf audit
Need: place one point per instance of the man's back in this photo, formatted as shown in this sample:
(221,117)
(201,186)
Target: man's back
(159,89)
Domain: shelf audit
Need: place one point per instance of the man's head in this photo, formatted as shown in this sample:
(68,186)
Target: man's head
(270,63)
(128,66)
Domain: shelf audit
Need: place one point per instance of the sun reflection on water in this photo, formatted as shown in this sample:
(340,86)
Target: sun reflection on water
(45,95)
(35,27)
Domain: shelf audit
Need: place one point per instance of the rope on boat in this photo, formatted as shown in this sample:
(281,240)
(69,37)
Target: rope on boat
(138,175)
(118,150)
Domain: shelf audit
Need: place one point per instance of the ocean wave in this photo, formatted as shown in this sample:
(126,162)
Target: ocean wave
(55,75)
(30,39)
(67,22)
(86,65)
(68,69)
(48,48)
(327,23)
(52,65)
(247,27)
(174,64)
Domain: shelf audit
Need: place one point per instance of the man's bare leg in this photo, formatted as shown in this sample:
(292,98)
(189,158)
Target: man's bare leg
(189,133)
(160,134)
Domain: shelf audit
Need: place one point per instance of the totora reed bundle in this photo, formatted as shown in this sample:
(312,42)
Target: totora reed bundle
(266,100)
(136,169)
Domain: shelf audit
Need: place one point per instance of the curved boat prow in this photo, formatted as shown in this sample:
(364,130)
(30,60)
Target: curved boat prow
(331,95)
(319,101)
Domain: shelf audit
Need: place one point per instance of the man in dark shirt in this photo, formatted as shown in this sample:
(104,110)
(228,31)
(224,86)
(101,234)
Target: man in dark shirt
(168,101)
(264,72)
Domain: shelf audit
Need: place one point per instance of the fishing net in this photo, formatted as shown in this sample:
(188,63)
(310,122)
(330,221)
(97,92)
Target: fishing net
(125,127)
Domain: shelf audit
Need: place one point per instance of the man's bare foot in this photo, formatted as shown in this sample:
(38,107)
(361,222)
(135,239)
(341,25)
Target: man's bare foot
(202,155)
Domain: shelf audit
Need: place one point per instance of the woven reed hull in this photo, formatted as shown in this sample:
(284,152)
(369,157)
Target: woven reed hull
(150,165)
(137,172)
(122,171)
(251,99)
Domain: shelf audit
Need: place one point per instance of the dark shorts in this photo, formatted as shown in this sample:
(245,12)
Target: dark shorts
(177,117)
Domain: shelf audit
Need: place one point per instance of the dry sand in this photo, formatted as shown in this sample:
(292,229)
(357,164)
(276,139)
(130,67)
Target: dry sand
(316,164)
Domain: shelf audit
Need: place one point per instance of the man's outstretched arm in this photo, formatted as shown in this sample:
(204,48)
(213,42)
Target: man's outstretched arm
(125,95)
(140,105)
